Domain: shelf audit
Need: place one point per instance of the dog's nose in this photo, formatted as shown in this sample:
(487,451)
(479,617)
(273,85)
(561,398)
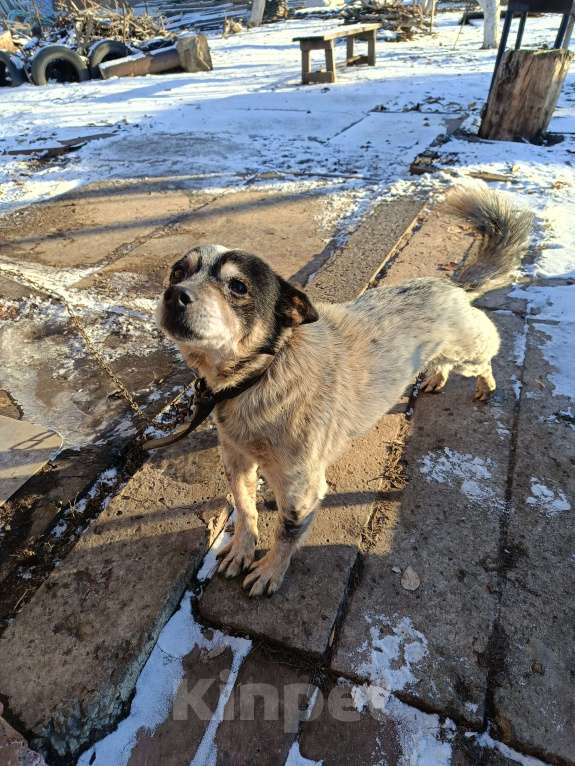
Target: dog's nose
(177,297)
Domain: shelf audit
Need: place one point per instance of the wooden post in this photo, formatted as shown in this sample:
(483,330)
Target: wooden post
(524,94)
(330,60)
(257,14)
(371,40)
(349,53)
(305,63)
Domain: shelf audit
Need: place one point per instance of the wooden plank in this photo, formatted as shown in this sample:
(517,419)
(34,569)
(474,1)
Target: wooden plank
(343,31)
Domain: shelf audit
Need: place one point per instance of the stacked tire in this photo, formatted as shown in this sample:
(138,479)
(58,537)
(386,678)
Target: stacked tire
(105,50)
(57,63)
(11,74)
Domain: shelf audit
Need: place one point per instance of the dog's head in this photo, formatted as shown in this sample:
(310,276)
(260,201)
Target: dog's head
(229,304)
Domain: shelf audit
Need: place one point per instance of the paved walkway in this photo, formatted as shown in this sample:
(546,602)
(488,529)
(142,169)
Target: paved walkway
(424,621)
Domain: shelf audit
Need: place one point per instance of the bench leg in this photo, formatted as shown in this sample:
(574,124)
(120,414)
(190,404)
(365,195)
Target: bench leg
(371,48)
(349,55)
(305,65)
(330,60)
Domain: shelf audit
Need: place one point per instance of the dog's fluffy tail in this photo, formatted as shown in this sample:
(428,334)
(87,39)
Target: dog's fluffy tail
(505,229)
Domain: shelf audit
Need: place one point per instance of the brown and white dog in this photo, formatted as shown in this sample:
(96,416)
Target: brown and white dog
(327,372)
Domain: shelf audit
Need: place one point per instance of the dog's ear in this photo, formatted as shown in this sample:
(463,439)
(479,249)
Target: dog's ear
(293,306)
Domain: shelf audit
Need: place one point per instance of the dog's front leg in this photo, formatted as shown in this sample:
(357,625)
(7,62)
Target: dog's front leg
(297,506)
(241,472)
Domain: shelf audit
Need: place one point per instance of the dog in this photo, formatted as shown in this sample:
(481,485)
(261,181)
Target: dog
(298,381)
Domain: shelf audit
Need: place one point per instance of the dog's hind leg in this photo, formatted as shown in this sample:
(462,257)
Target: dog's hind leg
(241,472)
(297,502)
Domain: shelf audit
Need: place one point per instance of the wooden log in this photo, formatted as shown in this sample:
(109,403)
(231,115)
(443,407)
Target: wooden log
(524,94)
(155,62)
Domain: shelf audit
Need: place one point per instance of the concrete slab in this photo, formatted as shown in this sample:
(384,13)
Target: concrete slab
(286,228)
(92,624)
(262,716)
(25,448)
(338,732)
(534,700)
(375,241)
(361,726)
(88,226)
(440,241)
(302,614)
(430,644)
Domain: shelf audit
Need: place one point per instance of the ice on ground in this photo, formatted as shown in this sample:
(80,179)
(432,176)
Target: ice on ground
(551,502)
(471,474)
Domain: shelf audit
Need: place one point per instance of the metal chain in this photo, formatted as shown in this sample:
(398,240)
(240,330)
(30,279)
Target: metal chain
(96,353)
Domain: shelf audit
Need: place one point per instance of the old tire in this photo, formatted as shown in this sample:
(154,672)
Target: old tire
(106,50)
(11,74)
(59,63)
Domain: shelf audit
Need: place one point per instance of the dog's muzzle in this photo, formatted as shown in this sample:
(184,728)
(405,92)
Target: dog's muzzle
(173,314)
(177,298)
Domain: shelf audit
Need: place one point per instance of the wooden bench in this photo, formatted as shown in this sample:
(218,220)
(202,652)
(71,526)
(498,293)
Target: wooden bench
(327,41)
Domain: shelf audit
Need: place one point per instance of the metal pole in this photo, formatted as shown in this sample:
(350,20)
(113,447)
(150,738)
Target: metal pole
(502,44)
(520,31)
(562,30)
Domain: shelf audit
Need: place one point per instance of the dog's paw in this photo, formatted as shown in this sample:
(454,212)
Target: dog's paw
(484,387)
(238,554)
(434,383)
(266,574)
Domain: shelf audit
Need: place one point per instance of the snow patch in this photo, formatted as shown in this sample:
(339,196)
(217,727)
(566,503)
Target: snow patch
(551,502)
(485,740)
(469,472)
(295,758)
(391,652)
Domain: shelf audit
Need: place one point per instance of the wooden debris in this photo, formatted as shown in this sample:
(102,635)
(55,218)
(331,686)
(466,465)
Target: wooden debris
(405,20)
(7,43)
(190,53)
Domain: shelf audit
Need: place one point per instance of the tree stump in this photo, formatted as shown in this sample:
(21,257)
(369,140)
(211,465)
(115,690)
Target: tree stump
(524,94)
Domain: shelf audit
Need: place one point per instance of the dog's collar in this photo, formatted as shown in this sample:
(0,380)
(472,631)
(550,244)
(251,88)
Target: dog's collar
(202,405)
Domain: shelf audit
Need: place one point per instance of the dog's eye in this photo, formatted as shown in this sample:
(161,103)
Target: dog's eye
(237,287)
(177,275)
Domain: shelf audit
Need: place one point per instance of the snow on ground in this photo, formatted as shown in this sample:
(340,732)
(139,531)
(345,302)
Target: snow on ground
(250,115)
